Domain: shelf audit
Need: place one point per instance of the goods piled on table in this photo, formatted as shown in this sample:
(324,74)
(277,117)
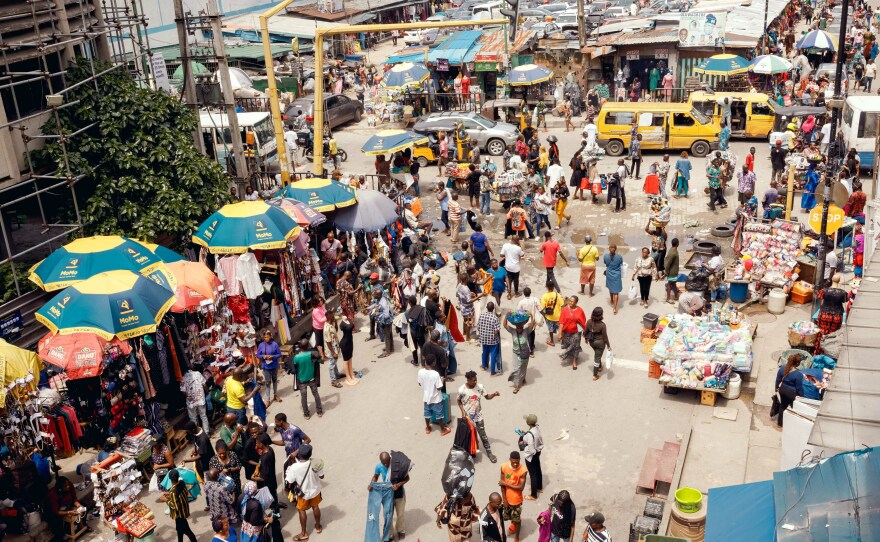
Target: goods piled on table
(700,340)
(773,249)
(696,375)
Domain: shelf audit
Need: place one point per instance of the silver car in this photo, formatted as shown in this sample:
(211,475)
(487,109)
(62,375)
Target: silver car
(492,137)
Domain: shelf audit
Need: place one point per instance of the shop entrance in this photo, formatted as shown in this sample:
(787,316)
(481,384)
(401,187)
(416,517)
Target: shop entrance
(642,67)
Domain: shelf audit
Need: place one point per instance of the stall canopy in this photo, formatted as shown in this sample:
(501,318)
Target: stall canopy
(849,417)
(454,49)
(743,512)
(16,363)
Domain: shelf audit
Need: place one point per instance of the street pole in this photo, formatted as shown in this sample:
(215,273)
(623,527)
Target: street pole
(226,82)
(189,82)
(833,148)
(272,88)
(764,40)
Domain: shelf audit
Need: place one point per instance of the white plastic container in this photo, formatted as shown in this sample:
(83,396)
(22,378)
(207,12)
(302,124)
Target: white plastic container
(734,387)
(776,301)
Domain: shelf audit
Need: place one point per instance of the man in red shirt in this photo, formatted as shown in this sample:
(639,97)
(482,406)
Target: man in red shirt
(550,249)
(750,159)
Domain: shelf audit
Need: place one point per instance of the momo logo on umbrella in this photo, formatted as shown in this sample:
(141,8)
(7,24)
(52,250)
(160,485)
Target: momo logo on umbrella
(127,316)
(71,270)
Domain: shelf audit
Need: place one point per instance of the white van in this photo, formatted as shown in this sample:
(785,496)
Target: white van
(861,115)
(218,137)
(489,10)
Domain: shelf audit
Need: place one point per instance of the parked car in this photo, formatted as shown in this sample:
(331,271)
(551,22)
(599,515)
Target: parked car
(421,37)
(535,13)
(492,137)
(544,30)
(338,109)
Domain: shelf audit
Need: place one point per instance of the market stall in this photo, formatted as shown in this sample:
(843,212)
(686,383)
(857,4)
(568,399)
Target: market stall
(701,352)
(769,254)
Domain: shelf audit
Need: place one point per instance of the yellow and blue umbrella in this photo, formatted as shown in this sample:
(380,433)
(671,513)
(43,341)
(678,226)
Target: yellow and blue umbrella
(117,304)
(237,227)
(163,253)
(529,74)
(85,257)
(322,195)
(388,141)
(723,64)
(405,75)
(817,39)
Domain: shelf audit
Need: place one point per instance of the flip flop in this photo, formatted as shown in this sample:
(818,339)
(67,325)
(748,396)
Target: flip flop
(300,538)
(427,431)
(318,529)
(446,432)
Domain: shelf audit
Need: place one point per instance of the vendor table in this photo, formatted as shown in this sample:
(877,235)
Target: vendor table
(707,395)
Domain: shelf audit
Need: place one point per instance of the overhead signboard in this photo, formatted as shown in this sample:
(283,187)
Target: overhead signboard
(701,29)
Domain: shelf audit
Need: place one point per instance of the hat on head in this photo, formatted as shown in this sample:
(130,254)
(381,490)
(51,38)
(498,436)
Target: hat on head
(531,419)
(595,517)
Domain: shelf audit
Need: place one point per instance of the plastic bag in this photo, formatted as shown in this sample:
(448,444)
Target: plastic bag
(458,474)
(607,359)
(633,292)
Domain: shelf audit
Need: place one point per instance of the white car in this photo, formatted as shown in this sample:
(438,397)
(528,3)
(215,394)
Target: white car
(420,37)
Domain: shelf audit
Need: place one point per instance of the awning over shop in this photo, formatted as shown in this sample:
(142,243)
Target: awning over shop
(286,26)
(455,48)
(171,53)
(415,54)
(743,512)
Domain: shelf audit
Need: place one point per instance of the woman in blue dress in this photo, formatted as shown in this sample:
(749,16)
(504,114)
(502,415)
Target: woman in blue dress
(808,199)
(682,175)
(613,274)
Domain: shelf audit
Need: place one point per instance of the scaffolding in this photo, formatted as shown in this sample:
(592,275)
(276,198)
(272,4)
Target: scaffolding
(38,40)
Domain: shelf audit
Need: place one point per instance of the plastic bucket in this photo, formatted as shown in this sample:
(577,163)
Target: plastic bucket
(734,387)
(688,499)
(739,292)
(776,301)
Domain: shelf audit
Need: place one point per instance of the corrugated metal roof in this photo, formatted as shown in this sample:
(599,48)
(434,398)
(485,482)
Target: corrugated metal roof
(836,499)
(849,417)
(283,25)
(171,53)
(455,47)
(741,512)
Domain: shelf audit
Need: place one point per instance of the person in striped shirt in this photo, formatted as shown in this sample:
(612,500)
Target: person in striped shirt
(596,531)
(178,506)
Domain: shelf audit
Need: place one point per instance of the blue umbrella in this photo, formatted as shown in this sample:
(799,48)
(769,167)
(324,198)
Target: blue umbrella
(388,141)
(817,39)
(405,75)
(374,211)
(529,74)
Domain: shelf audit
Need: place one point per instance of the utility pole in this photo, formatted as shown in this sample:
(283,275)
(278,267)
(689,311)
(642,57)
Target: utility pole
(582,35)
(189,82)
(226,82)
(834,148)
(764,37)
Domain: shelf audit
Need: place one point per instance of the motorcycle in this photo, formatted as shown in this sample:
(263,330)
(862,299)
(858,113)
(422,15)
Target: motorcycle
(309,151)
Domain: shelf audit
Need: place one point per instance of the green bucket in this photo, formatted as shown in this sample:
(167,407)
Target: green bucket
(688,499)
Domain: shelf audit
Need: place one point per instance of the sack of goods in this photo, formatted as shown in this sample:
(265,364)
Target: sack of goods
(458,474)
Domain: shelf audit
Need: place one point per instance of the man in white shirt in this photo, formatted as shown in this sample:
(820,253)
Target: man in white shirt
(291,147)
(591,132)
(542,209)
(554,172)
(512,254)
(307,477)
(830,262)
(432,397)
(531,305)
(826,137)
(534,443)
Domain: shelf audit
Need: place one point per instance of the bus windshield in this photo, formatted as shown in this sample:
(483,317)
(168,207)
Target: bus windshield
(265,131)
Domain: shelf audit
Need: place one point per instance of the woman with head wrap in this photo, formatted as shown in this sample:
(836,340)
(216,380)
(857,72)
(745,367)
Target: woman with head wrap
(253,515)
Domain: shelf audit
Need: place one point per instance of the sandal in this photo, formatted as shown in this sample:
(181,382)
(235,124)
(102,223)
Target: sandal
(427,431)
(318,529)
(596,377)
(445,432)
(550,343)
(515,390)
(300,538)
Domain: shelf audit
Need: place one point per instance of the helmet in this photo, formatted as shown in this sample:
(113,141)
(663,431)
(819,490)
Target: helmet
(791,127)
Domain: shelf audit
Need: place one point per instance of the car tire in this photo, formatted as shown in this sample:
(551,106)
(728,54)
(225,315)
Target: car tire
(423,162)
(495,147)
(614,147)
(700,149)
(725,230)
(705,246)
(357,115)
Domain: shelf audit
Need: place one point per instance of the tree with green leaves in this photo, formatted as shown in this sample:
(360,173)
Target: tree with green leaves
(144,177)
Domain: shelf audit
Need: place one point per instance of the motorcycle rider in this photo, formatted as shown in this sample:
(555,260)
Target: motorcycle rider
(298,123)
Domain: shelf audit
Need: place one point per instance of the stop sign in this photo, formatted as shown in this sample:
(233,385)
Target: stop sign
(835,219)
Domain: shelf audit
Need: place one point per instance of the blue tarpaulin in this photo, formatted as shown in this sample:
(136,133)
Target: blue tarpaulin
(743,512)
(455,47)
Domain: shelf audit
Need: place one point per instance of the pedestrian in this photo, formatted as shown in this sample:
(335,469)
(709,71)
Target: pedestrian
(306,377)
(485,190)
(218,499)
(683,168)
(466,298)
(416,320)
(454,216)
(499,280)
(613,274)
(532,445)
(492,520)
(231,433)
(595,181)
(578,174)
(561,193)
(554,172)
(531,305)
(596,531)
(331,333)
(394,36)
(459,516)
(443,157)
(635,154)
(177,498)
(777,161)
(443,198)
(469,396)
(750,159)
(480,248)
(265,475)
(446,340)
(542,201)
(380,310)
(305,481)
(268,352)
(745,184)
(617,187)
(382,475)
(254,517)
(550,250)
(193,388)
(716,192)
(563,517)
(596,335)
(227,463)
(436,351)
(724,136)
(222,532)
(512,482)
(432,397)
(250,455)
(671,266)
(645,270)
(291,436)
(588,255)
(512,253)
(519,332)
(551,308)
(488,329)
(571,322)
(202,450)
(870,74)
(518,220)
(473,186)
(345,325)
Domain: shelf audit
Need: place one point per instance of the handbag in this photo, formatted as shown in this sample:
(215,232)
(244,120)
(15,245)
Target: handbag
(548,311)
(774,404)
